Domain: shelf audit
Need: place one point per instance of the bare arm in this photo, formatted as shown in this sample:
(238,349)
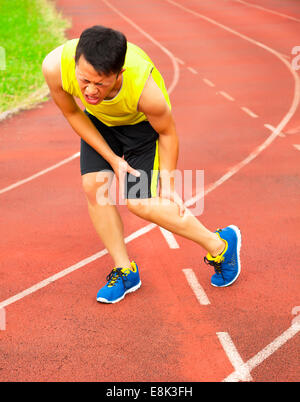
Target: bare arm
(153,104)
(78,120)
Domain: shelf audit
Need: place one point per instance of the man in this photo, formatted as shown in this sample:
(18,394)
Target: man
(127,129)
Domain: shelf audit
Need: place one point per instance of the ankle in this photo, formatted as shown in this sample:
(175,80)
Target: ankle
(122,263)
(218,248)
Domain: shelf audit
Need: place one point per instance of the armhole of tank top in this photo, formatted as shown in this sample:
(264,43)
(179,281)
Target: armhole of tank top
(62,81)
(138,101)
(61,69)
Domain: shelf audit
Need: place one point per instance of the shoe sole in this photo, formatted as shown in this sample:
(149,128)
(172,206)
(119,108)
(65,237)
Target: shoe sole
(133,289)
(239,244)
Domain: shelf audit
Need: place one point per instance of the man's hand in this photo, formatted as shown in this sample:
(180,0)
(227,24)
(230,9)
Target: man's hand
(121,167)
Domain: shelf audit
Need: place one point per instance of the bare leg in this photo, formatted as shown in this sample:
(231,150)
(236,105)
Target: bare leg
(106,219)
(165,214)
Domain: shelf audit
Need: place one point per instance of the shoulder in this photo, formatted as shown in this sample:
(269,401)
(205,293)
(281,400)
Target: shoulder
(152,100)
(52,60)
(51,65)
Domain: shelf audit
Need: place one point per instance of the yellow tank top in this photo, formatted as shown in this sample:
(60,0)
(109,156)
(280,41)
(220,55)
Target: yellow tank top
(122,109)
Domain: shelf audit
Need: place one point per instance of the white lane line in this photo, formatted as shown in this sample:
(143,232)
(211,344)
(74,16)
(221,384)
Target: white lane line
(268,10)
(196,287)
(264,353)
(192,70)
(170,238)
(226,95)
(292,131)
(236,168)
(2,319)
(52,278)
(249,112)
(287,117)
(273,346)
(180,61)
(286,56)
(42,172)
(208,82)
(272,128)
(72,268)
(234,357)
(297,146)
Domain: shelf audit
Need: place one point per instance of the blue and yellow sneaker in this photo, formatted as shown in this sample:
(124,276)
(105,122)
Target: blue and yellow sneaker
(227,265)
(120,282)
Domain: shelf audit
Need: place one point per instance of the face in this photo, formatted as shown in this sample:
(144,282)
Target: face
(95,87)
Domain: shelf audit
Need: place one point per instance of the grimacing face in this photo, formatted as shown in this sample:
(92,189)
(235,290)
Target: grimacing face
(96,87)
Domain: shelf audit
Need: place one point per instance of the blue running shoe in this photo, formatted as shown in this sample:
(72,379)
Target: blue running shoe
(120,282)
(227,265)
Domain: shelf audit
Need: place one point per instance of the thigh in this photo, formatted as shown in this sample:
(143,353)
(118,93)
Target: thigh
(91,160)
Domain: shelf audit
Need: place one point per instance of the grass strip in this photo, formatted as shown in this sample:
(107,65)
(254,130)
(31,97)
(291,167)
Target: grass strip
(29,29)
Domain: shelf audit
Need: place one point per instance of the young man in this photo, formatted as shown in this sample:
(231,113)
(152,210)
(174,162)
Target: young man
(127,129)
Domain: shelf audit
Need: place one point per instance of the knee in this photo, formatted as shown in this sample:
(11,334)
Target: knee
(139,207)
(96,187)
(89,187)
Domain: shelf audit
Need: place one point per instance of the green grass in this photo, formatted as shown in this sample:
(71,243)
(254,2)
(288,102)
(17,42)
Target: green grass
(29,29)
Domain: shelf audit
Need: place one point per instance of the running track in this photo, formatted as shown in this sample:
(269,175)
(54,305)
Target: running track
(235,97)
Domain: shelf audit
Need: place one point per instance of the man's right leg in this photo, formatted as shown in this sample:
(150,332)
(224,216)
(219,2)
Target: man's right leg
(124,278)
(97,176)
(95,172)
(105,216)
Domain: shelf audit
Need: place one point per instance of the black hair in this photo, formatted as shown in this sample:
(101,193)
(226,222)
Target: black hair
(104,48)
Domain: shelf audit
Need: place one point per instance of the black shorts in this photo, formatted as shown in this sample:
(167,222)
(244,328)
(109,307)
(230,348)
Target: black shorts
(138,144)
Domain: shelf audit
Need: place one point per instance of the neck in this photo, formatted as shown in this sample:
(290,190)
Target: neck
(113,93)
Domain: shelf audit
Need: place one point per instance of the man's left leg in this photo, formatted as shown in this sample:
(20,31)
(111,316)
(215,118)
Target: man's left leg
(165,213)
(222,246)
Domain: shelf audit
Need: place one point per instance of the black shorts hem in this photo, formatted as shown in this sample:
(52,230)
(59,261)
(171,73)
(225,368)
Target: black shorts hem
(94,170)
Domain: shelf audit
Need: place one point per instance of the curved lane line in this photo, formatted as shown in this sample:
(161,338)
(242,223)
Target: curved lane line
(277,131)
(268,10)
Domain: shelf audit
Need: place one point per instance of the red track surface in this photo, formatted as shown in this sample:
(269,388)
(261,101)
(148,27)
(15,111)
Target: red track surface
(162,332)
